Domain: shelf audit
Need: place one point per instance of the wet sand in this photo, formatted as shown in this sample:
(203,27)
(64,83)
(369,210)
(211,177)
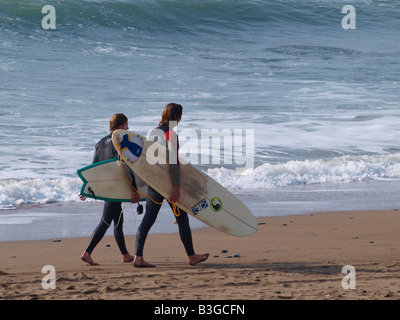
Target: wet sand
(297,257)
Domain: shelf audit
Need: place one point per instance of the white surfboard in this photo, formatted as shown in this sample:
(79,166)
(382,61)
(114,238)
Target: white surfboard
(106,180)
(200,195)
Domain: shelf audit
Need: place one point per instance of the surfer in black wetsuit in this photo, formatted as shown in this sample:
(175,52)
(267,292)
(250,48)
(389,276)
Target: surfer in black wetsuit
(112,210)
(171,115)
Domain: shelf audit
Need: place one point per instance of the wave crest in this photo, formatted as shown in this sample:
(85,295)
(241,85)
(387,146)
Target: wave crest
(336,170)
(38,191)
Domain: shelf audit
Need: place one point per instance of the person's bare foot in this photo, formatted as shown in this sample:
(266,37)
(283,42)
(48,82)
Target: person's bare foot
(127,258)
(139,262)
(197,258)
(88,259)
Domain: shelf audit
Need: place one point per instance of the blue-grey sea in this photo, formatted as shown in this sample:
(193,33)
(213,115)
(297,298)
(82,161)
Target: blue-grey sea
(293,105)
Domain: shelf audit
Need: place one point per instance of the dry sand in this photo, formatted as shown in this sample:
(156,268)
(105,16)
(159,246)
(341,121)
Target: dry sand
(290,257)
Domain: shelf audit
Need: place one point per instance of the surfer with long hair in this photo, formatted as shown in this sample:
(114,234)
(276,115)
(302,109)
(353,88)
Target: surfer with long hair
(171,116)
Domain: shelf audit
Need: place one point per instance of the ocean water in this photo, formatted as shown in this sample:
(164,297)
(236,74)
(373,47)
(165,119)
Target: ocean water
(311,108)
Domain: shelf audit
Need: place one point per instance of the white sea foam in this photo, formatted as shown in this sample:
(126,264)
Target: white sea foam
(38,191)
(336,170)
(266,176)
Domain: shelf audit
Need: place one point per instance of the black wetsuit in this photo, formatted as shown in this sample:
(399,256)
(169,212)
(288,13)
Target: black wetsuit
(152,210)
(112,211)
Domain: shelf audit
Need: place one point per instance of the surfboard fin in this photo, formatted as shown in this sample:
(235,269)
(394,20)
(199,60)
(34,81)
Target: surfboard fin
(92,192)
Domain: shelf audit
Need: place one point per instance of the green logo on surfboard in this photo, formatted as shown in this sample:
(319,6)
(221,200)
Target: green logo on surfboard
(216,204)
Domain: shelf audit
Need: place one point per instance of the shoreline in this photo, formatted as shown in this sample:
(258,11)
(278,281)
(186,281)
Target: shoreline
(296,257)
(74,220)
(78,219)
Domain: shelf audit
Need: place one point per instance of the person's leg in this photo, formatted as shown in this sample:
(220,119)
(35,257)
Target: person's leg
(118,218)
(149,218)
(98,234)
(185,234)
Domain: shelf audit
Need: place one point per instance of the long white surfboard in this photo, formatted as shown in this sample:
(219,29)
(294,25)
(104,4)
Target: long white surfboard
(106,180)
(200,195)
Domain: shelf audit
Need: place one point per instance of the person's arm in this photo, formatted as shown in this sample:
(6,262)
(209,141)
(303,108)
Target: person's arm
(175,193)
(174,168)
(94,160)
(131,177)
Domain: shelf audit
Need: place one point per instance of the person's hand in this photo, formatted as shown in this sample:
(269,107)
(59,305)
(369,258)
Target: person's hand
(175,194)
(135,197)
(83,198)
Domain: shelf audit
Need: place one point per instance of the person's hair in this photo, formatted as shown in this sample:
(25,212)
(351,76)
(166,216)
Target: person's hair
(171,112)
(117,120)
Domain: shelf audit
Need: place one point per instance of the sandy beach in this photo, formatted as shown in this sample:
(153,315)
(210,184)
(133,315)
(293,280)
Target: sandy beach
(298,257)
